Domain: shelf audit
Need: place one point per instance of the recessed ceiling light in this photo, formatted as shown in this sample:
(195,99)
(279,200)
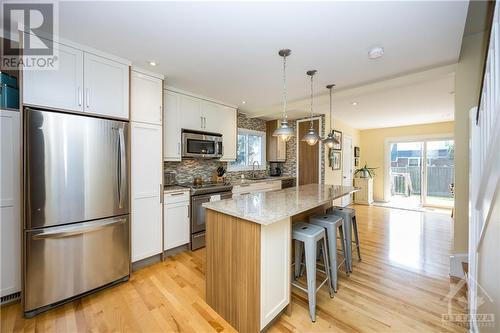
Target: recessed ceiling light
(376,52)
(354,103)
(243,102)
(152,63)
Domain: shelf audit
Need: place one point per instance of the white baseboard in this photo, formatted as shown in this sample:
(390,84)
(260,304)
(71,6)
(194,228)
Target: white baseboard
(456,261)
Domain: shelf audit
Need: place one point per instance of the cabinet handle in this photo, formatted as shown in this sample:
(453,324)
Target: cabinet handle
(88,97)
(176,194)
(178,148)
(201,120)
(80,96)
(204,123)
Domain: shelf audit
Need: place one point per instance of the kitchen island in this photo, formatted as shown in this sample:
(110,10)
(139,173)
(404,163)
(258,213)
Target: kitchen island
(248,250)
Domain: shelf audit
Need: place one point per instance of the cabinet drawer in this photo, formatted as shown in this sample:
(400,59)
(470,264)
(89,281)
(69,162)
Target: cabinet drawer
(174,197)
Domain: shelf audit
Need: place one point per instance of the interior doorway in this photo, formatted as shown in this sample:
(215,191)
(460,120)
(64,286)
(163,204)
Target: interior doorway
(420,173)
(347,172)
(308,157)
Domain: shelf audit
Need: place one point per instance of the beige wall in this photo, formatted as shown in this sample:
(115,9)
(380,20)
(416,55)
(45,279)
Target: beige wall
(335,176)
(467,85)
(373,147)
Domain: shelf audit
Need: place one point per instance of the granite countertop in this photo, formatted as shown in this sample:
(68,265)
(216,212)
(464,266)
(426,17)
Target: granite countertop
(268,207)
(267,179)
(174,188)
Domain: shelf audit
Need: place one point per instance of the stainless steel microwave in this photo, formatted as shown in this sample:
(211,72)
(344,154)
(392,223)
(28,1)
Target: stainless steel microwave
(197,144)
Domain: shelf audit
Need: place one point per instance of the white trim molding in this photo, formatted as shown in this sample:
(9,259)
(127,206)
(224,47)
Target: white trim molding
(321,134)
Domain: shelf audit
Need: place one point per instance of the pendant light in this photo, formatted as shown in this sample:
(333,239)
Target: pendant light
(330,140)
(284,132)
(311,137)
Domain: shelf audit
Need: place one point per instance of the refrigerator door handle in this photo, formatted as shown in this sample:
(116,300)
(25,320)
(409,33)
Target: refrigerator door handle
(121,168)
(71,231)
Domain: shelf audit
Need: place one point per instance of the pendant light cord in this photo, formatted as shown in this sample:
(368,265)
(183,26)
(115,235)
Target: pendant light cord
(331,108)
(312,101)
(284,88)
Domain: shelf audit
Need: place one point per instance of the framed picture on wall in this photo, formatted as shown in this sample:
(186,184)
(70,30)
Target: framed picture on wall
(336,160)
(356,151)
(337,135)
(356,161)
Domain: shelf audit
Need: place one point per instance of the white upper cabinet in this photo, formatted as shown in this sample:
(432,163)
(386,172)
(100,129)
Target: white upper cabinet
(146,98)
(191,113)
(171,126)
(106,86)
(212,114)
(228,129)
(61,88)
(82,82)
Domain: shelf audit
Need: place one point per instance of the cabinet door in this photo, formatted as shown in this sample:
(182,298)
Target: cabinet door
(228,129)
(176,225)
(281,150)
(146,188)
(191,113)
(213,117)
(171,127)
(10,221)
(106,87)
(61,88)
(146,101)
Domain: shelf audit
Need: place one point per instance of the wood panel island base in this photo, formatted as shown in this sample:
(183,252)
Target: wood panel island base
(248,251)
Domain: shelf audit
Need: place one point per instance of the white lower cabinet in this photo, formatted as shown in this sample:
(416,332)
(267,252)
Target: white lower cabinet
(10,221)
(274,269)
(175,220)
(146,189)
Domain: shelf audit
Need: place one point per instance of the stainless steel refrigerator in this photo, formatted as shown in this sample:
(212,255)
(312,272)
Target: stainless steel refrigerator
(77,231)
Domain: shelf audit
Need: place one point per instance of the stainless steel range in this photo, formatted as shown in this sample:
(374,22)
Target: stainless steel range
(200,194)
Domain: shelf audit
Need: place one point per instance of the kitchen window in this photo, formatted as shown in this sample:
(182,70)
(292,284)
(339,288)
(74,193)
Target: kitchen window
(250,148)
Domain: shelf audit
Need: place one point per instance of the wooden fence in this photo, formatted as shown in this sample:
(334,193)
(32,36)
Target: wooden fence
(439,179)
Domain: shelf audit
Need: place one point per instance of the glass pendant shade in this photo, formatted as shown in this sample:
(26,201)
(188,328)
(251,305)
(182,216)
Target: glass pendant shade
(311,138)
(284,132)
(330,140)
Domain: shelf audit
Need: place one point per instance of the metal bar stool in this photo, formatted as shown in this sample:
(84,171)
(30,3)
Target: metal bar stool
(331,223)
(350,226)
(309,235)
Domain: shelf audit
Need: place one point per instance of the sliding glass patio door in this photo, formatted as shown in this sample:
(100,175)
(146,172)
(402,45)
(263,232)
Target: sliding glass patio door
(421,173)
(439,173)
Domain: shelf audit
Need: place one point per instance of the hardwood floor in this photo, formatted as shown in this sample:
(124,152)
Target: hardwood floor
(400,286)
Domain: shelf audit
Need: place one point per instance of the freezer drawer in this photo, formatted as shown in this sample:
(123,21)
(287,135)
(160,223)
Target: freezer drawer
(66,261)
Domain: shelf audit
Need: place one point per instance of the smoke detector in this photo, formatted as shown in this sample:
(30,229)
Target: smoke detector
(376,52)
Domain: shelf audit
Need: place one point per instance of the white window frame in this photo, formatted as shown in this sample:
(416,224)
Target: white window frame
(244,131)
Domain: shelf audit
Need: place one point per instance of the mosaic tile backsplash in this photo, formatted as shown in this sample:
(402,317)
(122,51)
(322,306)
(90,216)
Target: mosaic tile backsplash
(186,170)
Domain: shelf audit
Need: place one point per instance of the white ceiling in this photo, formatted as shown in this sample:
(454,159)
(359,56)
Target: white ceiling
(228,50)
(419,98)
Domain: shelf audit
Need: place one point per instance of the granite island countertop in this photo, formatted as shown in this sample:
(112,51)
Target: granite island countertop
(269,207)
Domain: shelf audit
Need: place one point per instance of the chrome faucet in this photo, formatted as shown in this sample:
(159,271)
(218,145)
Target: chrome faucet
(253,168)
